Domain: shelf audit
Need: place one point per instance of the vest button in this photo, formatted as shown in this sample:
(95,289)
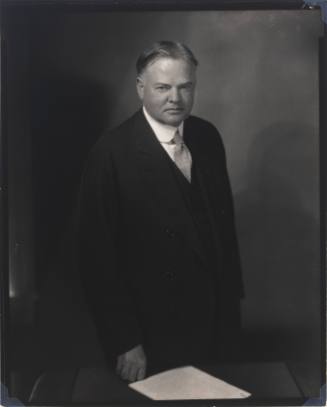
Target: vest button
(170,275)
(172,308)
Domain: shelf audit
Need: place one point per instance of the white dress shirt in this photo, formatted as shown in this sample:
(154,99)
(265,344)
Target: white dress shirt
(164,133)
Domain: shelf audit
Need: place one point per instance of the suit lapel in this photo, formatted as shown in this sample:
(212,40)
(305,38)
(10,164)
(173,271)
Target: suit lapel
(164,192)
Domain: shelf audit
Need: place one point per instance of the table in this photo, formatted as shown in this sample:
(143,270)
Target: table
(267,382)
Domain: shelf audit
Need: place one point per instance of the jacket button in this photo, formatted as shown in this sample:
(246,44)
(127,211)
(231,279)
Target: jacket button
(170,232)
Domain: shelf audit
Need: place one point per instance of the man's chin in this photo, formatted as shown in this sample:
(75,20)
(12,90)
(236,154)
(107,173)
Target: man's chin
(174,119)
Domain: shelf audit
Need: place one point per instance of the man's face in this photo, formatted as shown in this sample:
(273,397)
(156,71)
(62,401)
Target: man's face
(166,88)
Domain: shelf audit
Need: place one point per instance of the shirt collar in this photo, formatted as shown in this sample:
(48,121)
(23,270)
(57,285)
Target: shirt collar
(163,132)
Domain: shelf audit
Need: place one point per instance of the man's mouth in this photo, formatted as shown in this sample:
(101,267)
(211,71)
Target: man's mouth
(174,110)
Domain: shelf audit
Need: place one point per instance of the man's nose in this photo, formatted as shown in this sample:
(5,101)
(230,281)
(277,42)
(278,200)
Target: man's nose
(174,95)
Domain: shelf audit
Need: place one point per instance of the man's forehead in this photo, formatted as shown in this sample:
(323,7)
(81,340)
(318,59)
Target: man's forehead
(165,64)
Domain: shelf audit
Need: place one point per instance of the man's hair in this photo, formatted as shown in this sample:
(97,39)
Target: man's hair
(164,49)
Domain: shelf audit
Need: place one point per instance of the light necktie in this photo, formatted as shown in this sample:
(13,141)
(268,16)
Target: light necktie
(182,155)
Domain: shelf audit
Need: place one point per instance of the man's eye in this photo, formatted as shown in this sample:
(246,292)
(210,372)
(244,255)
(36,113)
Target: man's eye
(187,87)
(162,88)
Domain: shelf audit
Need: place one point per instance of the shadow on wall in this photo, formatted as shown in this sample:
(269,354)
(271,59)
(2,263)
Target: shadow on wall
(69,115)
(279,241)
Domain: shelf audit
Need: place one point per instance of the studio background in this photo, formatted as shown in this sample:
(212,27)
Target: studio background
(71,75)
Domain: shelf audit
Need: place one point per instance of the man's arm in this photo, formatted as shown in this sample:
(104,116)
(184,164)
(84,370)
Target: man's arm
(232,263)
(106,291)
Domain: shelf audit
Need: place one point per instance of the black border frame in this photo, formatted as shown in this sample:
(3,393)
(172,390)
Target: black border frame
(162,4)
(9,7)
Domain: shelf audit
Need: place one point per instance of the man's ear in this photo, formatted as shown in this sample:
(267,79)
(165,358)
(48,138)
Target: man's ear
(140,87)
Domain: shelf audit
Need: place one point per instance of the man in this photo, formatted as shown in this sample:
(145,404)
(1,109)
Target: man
(157,245)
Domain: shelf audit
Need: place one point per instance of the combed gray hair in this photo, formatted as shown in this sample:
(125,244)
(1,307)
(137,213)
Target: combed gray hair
(164,49)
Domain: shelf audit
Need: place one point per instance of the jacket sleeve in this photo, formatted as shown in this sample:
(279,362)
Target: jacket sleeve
(231,255)
(97,238)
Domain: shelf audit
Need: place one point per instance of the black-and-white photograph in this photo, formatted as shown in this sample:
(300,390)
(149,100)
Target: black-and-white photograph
(163,211)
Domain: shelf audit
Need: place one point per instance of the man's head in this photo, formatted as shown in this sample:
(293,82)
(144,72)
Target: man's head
(166,79)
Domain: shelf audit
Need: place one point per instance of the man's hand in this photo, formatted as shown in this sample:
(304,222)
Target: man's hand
(131,365)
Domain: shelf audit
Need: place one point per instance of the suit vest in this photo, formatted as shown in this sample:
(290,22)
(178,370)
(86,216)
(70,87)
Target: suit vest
(196,205)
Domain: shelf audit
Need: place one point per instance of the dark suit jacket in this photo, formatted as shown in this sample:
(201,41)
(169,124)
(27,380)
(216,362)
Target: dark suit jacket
(146,277)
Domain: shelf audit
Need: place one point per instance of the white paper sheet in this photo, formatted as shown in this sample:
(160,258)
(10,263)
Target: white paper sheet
(187,383)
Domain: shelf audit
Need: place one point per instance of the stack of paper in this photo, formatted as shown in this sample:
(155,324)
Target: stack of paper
(186,383)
